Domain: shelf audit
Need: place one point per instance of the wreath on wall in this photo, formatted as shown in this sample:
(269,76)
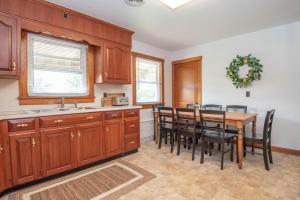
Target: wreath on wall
(254,72)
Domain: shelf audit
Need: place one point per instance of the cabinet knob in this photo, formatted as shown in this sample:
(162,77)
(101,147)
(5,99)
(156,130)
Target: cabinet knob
(22,125)
(58,121)
(14,65)
(33,142)
(107,129)
(78,134)
(1,149)
(106,74)
(72,135)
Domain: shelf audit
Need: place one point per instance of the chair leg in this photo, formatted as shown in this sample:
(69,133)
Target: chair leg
(194,147)
(270,152)
(184,140)
(160,139)
(166,137)
(219,147)
(222,156)
(178,143)
(172,141)
(203,147)
(231,151)
(265,154)
(211,146)
(189,142)
(237,152)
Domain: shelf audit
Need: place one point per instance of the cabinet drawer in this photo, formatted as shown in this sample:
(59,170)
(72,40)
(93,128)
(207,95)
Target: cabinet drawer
(69,119)
(131,126)
(21,124)
(132,142)
(112,115)
(131,113)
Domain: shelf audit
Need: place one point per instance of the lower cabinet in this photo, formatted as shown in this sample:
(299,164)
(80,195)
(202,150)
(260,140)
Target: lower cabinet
(58,150)
(89,143)
(114,137)
(25,156)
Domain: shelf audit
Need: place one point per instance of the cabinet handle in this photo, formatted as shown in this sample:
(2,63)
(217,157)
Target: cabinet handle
(114,115)
(1,149)
(72,135)
(14,65)
(58,121)
(78,134)
(132,113)
(90,117)
(33,142)
(132,142)
(22,125)
(132,126)
(107,129)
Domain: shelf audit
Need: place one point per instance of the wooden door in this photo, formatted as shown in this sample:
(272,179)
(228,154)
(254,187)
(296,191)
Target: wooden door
(187,78)
(25,156)
(116,67)
(89,143)
(114,137)
(58,150)
(8,45)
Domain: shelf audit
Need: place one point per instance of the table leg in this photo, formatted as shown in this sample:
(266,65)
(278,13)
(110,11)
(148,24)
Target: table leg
(253,132)
(240,146)
(156,127)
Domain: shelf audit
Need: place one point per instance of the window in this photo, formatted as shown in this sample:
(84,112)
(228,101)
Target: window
(53,67)
(148,79)
(56,67)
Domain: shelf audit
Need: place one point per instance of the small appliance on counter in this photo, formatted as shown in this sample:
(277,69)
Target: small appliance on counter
(114,99)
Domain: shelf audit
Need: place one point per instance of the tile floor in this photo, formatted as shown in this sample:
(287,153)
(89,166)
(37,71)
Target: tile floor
(178,177)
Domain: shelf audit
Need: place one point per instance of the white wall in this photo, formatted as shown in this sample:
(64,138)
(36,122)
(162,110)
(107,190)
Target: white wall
(9,90)
(279,51)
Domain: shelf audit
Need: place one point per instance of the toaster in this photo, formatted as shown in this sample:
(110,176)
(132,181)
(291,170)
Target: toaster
(120,101)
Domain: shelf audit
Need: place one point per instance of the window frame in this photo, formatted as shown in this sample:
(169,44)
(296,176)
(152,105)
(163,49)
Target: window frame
(134,56)
(25,99)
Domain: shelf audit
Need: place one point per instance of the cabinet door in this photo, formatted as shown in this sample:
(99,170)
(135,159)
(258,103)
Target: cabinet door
(114,138)
(116,67)
(58,150)
(8,45)
(89,143)
(25,156)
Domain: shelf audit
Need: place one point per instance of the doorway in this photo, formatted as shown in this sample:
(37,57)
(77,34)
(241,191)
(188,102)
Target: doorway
(187,82)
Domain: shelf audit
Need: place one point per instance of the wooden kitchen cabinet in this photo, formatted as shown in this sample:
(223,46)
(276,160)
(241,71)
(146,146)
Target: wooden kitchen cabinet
(58,149)
(5,175)
(90,141)
(116,66)
(114,137)
(8,45)
(25,156)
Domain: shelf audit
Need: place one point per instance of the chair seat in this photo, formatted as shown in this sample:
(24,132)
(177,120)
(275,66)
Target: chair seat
(232,130)
(188,129)
(218,135)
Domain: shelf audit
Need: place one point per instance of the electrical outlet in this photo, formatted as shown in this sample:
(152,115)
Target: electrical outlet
(247,93)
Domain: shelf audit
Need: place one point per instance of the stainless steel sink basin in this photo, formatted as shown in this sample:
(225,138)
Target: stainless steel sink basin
(51,110)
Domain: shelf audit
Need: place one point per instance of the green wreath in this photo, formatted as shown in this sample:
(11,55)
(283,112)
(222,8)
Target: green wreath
(254,72)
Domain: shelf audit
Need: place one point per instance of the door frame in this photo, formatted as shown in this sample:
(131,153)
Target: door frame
(199,81)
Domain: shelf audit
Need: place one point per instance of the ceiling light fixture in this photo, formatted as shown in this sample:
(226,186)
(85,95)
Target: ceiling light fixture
(173,4)
(135,3)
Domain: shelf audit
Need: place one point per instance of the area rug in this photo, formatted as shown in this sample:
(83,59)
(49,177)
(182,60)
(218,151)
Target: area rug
(109,181)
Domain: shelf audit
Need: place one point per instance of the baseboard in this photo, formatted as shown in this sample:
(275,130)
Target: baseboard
(286,151)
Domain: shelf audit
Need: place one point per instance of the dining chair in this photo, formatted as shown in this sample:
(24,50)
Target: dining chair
(215,134)
(212,107)
(154,110)
(263,141)
(186,124)
(167,125)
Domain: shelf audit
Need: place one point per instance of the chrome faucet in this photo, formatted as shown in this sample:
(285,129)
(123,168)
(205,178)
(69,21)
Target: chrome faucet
(62,102)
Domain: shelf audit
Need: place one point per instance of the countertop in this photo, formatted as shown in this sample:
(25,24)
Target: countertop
(56,111)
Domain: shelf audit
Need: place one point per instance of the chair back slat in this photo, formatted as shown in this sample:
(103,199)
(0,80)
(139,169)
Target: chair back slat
(186,117)
(212,107)
(236,108)
(194,106)
(268,125)
(166,115)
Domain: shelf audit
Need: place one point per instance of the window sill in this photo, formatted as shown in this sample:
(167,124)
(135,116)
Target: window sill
(147,105)
(54,100)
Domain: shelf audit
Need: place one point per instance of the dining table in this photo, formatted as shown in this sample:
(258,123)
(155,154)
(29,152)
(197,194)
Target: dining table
(235,119)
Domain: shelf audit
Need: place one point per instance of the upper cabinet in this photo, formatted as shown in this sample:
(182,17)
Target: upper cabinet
(8,45)
(116,65)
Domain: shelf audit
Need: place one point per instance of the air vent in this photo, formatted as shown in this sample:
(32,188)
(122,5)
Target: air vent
(135,3)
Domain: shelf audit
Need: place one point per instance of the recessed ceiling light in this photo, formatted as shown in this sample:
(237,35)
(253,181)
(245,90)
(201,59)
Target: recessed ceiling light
(174,3)
(134,3)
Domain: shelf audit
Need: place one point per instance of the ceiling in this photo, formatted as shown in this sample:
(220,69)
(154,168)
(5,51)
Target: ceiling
(198,22)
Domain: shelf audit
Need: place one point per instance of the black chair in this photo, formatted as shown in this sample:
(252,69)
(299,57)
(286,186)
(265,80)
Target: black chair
(154,110)
(212,107)
(213,134)
(194,106)
(167,125)
(263,141)
(186,124)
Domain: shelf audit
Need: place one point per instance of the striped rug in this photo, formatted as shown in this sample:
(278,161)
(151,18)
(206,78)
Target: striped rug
(108,181)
